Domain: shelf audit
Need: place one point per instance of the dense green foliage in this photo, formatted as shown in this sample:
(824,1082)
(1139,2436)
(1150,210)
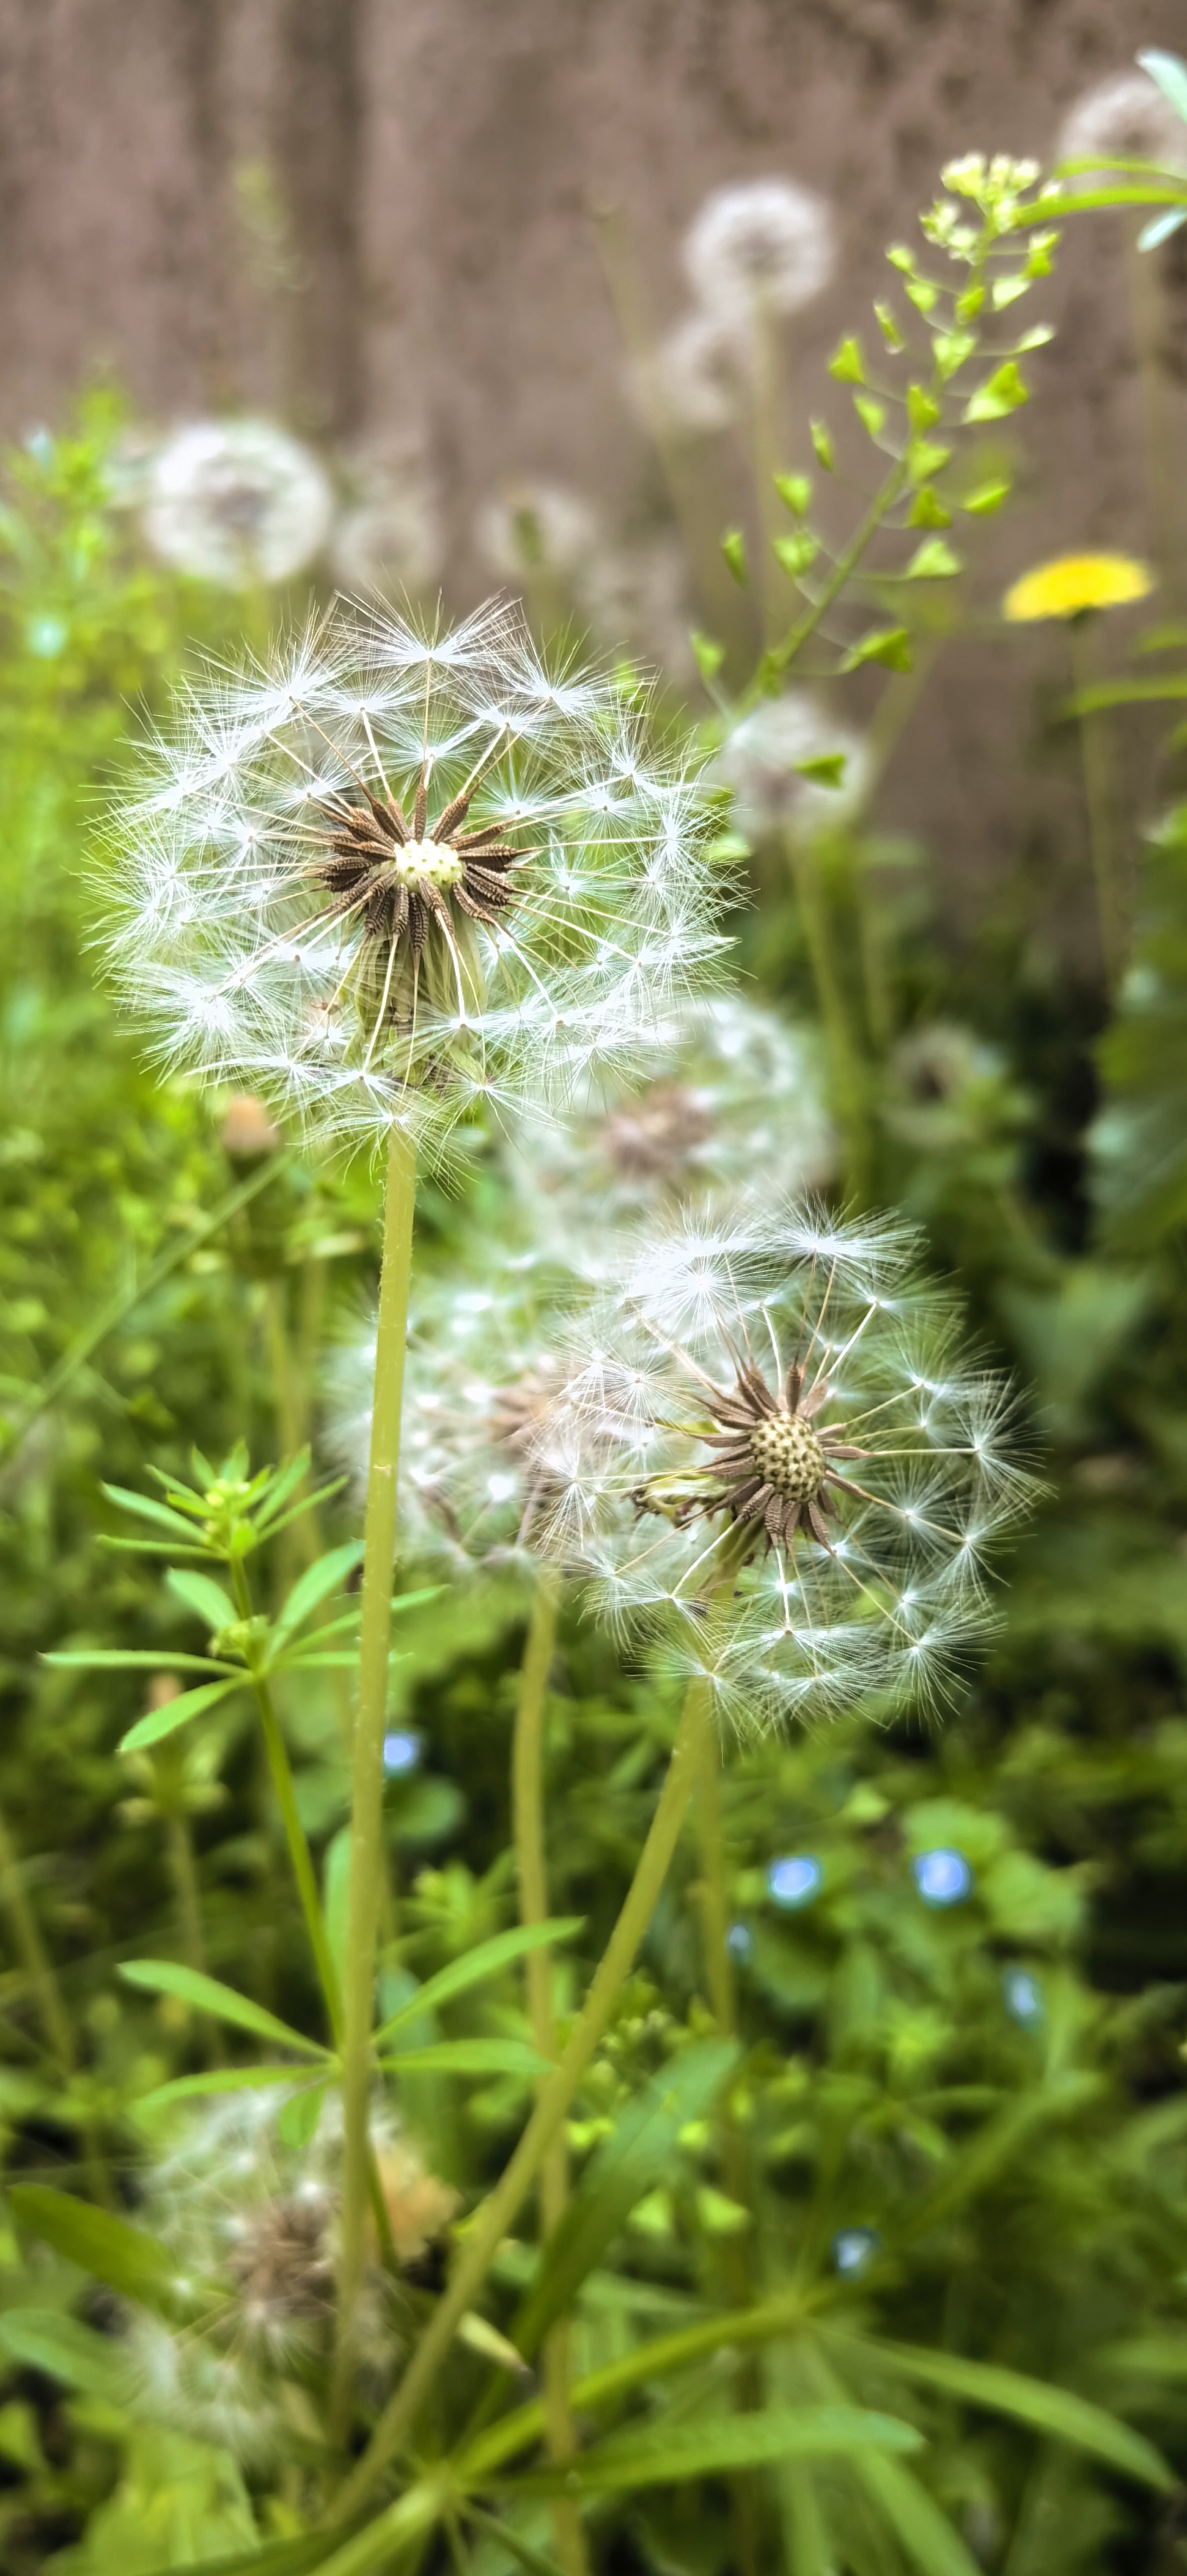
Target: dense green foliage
(940,2170)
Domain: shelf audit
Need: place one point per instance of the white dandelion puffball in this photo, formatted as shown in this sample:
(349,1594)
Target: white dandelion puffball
(771,1451)
(389,537)
(237,502)
(482,1364)
(636,600)
(762,760)
(764,242)
(1127,118)
(399,874)
(697,377)
(533,528)
(733,1092)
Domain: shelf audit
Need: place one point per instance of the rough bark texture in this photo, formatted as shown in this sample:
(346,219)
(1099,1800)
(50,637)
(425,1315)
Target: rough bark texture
(368,214)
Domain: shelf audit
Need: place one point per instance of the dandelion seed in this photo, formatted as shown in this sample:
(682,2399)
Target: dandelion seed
(237,502)
(535,527)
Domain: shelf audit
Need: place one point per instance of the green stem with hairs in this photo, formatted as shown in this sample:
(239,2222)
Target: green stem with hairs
(366,1822)
(527,1805)
(484,2236)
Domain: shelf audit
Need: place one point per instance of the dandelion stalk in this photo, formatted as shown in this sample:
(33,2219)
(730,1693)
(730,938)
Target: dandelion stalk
(1098,797)
(284,1788)
(484,2236)
(366,1826)
(33,1954)
(847,1070)
(527,1800)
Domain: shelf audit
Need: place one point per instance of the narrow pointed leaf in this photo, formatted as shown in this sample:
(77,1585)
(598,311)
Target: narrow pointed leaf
(663,2454)
(326,1576)
(485,1961)
(189,1986)
(133,1659)
(623,2169)
(148,1510)
(1056,2412)
(65,2349)
(204,1596)
(926,2534)
(1170,73)
(470,2057)
(177,1712)
(123,2257)
(214,2079)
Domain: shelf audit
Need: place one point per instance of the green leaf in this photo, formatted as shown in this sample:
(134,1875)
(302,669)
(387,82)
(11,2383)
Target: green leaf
(154,1511)
(926,2534)
(666,2454)
(870,413)
(204,1596)
(890,645)
(298,2118)
(933,561)
(822,444)
(928,511)
(470,2057)
(622,2170)
(925,459)
(796,554)
(189,1986)
(985,498)
(924,296)
(65,2349)
(177,1712)
(484,1961)
(1170,74)
(115,1659)
(733,547)
(708,655)
(328,1575)
(125,2258)
(923,410)
(795,492)
(1160,228)
(1006,290)
(1053,2411)
(847,363)
(825,768)
(213,2079)
(888,327)
(1001,393)
(950,350)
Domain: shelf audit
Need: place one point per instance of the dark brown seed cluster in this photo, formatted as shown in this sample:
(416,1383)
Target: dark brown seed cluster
(399,877)
(772,1466)
(282,2263)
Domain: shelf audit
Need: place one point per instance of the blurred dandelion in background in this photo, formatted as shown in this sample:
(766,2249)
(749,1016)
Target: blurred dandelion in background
(1071,584)
(237,502)
(1125,117)
(388,538)
(528,528)
(697,377)
(772,1451)
(761,241)
(764,758)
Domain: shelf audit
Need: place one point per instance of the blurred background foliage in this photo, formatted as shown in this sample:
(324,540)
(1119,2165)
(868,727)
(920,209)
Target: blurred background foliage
(961,1954)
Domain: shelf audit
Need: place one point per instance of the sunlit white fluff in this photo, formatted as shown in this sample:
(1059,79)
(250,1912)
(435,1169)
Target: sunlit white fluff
(236,502)
(925,1484)
(227,941)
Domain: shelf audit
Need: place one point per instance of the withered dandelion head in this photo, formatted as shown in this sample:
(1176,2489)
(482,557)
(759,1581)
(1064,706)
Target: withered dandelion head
(1071,584)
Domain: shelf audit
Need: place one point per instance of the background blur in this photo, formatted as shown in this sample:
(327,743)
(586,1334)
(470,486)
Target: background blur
(375,223)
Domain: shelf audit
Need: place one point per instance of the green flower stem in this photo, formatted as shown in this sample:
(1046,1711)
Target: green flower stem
(848,1072)
(300,1857)
(1098,798)
(486,2232)
(781,656)
(33,1954)
(366,1824)
(719,1971)
(527,1801)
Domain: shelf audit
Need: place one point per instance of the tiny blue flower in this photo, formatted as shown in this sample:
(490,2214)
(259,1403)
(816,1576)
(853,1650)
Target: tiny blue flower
(853,2249)
(794,1880)
(401,1753)
(1023,1995)
(942,1877)
(739,1941)
(46,637)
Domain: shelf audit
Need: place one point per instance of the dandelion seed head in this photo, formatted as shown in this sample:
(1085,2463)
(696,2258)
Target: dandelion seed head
(762,241)
(763,760)
(237,502)
(1124,117)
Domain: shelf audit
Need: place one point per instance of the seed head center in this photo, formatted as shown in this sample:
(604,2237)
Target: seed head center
(789,1457)
(421,863)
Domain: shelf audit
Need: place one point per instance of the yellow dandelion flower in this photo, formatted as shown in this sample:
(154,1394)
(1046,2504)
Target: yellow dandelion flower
(1069,584)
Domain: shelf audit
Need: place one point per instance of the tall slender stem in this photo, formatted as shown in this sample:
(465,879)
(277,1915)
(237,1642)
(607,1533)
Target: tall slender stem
(719,1975)
(848,1077)
(527,1803)
(299,1853)
(33,1953)
(490,2224)
(366,1823)
(1098,800)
